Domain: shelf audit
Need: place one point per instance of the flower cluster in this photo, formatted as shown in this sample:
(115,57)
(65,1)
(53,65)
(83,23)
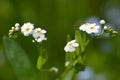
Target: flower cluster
(28,29)
(12,32)
(98,30)
(90,28)
(94,29)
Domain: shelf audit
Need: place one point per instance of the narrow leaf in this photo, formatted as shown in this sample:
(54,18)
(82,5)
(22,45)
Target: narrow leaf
(79,36)
(41,62)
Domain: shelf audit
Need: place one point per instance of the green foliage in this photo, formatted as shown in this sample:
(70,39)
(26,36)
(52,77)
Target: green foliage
(18,59)
(41,62)
(80,39)
(75,59)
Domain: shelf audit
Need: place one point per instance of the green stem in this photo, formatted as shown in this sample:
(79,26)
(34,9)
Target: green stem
(71,66)
(39,48)
(66,71)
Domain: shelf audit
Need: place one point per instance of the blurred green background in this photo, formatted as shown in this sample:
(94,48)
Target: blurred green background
(60,18)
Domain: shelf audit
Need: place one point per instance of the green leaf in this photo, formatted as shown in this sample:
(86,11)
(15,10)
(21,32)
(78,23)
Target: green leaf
(18,59)
(42,59)
(69,55)
(80,38)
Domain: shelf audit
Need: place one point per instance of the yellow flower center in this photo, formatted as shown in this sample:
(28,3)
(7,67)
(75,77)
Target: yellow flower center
(92,28)
(38,31)
(27,29)
(70,44)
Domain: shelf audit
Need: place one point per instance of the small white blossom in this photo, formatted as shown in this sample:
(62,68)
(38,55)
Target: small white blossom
(27,29)
(84,27)
(38,32)
(54,69)
(71,45)
(41,38)
(67,63)
(102,21)
(93,28)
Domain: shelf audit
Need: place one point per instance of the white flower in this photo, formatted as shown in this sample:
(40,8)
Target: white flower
(71,45)
(38,32)
(93,28)
(102,21)
(84,27)
(27,29)
(41,38)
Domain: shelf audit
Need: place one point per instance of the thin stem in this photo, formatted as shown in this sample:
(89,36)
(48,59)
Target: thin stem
(69,68)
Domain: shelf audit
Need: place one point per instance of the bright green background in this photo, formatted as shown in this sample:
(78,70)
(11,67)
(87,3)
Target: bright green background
(60,18)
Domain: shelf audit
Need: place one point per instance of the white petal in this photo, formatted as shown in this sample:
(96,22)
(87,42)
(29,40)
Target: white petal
(66,48)
(43,31)
(97,27)
(26,34)
(92,24)
(39,40)
(75,44)
(96,31)
(71,49)
(42,36)
(89,31)
(35,35)
(72,41)
(80,27)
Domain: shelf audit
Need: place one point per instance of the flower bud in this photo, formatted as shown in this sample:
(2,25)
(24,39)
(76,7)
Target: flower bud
(13,28)
(17,25)
(102,21)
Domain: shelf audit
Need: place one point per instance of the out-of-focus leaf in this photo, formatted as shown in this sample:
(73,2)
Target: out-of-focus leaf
(41,62)
(18,60)
(80,38)
(69,55)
